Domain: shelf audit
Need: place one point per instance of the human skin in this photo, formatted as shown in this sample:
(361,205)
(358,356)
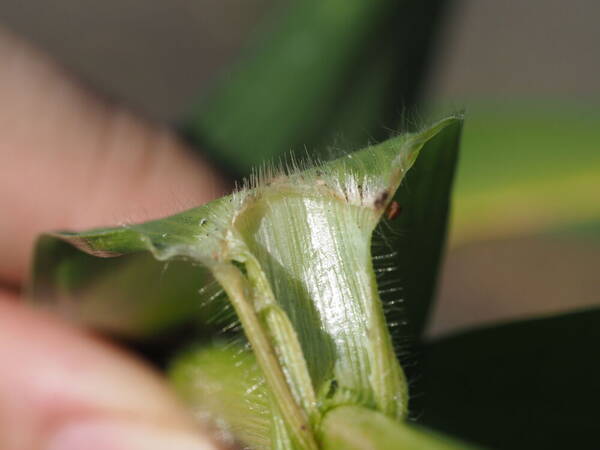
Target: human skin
(70,159)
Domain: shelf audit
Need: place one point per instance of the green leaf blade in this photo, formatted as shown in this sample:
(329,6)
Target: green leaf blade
(293,255)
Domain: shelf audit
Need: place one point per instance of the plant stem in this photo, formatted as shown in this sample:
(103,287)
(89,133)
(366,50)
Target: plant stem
(239,292)
(357,428)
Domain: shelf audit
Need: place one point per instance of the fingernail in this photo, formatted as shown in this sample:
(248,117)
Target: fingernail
(111,435)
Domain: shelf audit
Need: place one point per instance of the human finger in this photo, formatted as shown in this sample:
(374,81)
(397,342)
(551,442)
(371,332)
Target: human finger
(70,159)
(63,389)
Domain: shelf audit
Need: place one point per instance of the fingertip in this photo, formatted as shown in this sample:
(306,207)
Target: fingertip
(109,434)
(54,375)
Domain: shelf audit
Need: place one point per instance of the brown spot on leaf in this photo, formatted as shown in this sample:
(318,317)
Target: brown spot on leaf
(381,199)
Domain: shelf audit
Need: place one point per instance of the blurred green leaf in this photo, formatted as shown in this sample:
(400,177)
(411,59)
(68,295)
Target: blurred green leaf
(526,167)
(221,382)
(529,384)
(324,69)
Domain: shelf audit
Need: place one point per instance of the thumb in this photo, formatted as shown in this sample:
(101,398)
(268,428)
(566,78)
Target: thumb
(70,159)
